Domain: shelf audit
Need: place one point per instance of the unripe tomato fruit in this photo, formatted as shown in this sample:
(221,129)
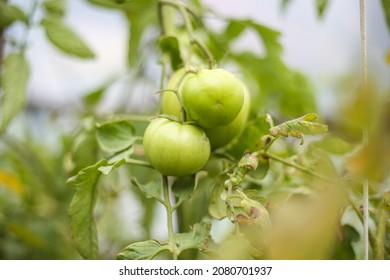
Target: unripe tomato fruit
(221,135)
(175,149)
(218,136)
(212,97)
(170,104)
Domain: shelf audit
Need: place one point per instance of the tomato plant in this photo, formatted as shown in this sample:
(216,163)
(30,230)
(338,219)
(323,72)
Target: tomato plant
(227,137)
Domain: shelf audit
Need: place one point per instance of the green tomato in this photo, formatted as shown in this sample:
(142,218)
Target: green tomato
(170,104)
(175,149)
(221,135)
(212,97)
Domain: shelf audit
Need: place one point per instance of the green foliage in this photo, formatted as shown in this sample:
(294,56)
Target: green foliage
(144,250)
(183,188)
(9,14)
(149,190)
(115,136)
(14,82)
(64,38)
(386,10)
(284,200)
(321,7)
(81,210)
(55,7)
(298,127)
(251,136)
(199,238)
(169,45)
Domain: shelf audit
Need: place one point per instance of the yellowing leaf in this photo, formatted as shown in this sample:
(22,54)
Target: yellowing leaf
(388,57)
(11,182)
(298,127)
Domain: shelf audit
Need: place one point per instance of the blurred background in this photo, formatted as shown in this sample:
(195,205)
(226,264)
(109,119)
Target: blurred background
(34,152)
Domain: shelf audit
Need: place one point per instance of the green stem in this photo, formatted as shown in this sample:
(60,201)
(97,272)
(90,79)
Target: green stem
(167,16)
(169,209)
(380,236)
(297,166)
(139,162)
(364,74)
(29,24)
(371,235)
(184,11)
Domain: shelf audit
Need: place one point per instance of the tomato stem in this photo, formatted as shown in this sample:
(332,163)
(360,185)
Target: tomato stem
(364,74)
(169,209)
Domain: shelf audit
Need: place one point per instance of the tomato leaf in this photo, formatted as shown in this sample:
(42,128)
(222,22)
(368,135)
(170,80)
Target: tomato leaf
(64,38)
(234,29)
(169,46)
(14,81)
(115,136)
(198,238)
(321,7)
(85,147)
(386,200)
(386,10)
(334,145)
(217,206)
(81,210)
(106,169)
(262,168)
(145,250)
(112,4)
(183,188)
(298,127)
(250,137)
(151,189)
(55,7)
(268,36)
(9,14)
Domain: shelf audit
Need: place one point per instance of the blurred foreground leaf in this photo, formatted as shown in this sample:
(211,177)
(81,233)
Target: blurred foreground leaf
(169,45)
(321,7)
(64,38)
(386,10)
(14,82)
(10,13)
(55,7)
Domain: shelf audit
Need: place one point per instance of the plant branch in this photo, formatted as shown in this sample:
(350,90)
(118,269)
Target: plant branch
(364,74)
(371,235)
(169,209)
(29,24)
(139,162)
(297,166)
(184,11)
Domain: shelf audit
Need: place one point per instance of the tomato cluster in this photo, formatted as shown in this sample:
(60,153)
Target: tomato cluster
(216,106)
